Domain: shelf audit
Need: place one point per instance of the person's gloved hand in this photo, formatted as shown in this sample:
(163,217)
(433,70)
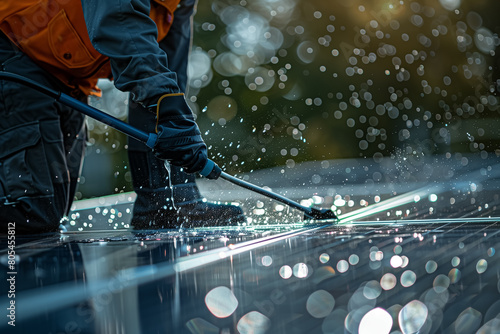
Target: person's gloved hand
(179,138)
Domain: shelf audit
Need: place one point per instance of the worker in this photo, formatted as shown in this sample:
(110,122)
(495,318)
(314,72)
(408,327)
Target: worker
(67,45)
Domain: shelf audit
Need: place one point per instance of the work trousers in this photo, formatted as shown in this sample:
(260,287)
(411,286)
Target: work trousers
(42,144)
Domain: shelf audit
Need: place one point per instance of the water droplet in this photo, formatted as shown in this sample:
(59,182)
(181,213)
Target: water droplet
(376,321)
(431,266)
(408,278)
(324,258)
(286,272)
(300,270)
(388,281)
(412,317)
(253,323)
(320,304)
(441,283)
(481,266)
(221,302)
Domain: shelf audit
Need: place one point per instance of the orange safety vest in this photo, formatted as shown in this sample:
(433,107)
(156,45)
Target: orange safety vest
(53,33)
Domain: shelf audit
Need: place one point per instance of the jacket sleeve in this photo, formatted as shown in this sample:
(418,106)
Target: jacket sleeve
(123,31)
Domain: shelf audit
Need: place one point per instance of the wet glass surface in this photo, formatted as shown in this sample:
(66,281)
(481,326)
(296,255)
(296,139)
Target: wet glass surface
(406,257)
(423,276)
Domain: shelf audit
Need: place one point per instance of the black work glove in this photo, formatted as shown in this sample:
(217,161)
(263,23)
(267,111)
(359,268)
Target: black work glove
(179,138)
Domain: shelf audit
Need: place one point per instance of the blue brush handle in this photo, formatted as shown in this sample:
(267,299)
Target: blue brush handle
(148,138)
(211,170)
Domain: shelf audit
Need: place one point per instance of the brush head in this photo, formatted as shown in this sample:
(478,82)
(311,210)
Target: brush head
(320,214)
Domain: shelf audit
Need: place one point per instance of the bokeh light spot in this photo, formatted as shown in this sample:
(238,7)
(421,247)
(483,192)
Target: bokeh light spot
(300,270)
(431,266)
(468,321)
(412,317)
(491,251)
(376,321)
(320,304)
(253,323)
(408,278)
(353,259)
(441,283)
(222,107)
(481,266)
(342,266)
(396,261)
(221,302)
(324,258)
(388,281)
(267,261)
(454,275)
(372,290)
(450,4)
(286,272)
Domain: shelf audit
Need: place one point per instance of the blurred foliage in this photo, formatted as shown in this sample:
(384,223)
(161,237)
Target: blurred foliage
(352,79)
(281,82)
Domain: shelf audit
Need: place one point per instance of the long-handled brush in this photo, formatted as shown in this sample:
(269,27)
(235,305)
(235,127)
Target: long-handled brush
(150,139)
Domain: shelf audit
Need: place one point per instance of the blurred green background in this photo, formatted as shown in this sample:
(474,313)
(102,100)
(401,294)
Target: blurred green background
(276,83)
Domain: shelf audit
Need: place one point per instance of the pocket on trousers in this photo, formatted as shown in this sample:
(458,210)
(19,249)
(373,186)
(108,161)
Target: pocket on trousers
(23,166)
